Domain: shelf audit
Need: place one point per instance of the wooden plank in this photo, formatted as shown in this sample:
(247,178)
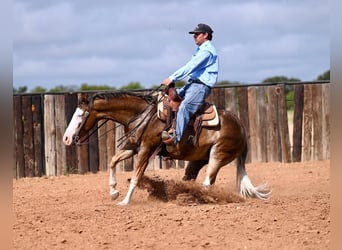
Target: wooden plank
(93,150)
(110,141)
(19,170)
(118,136)
(60,124)
(49,135)
(219,98)
(243,115)
(317,122)
(230,100)
(83,158)
(307,116)
(262,120)
(326,121)
(28,136)
(70,151)
(102,138)
(272,125)
(253,124)
(38,135)
(83,155)
(128,164)
(284,126)
(298,123)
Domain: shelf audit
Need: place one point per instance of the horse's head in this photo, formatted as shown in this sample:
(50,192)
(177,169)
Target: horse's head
(81,122)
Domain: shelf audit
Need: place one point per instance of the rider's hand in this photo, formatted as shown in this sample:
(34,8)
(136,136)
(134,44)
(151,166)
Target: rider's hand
(166,82)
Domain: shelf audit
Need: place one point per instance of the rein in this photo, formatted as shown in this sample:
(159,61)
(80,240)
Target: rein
(82,142)
(133,130)
(125,136)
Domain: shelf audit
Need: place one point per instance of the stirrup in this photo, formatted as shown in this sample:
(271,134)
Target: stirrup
(169,137)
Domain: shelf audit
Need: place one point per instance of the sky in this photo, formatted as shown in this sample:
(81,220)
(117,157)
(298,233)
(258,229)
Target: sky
(117,42)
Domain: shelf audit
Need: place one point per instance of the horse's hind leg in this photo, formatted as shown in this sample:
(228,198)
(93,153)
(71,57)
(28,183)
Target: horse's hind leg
(216,161)
(192,169)
(121,155)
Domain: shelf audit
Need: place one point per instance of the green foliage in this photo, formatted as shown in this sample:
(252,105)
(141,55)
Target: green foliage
(279,79)
(87,87)
(137,85)
(222,83)
(38,89)
(324,76)
(20,90)
(62,88)
(131,86)
(290,100)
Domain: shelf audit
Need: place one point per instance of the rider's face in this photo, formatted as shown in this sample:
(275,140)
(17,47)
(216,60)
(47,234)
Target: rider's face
(200,38)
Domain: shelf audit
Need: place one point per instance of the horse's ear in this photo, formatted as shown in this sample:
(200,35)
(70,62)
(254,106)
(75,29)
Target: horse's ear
(83,99)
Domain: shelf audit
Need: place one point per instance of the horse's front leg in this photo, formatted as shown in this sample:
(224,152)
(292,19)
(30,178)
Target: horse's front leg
(121,155)
(142,162)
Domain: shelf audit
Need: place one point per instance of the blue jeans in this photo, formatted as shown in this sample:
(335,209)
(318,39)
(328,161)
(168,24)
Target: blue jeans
(193,95)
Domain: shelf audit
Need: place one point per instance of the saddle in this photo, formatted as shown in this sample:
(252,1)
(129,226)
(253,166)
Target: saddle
(206,116)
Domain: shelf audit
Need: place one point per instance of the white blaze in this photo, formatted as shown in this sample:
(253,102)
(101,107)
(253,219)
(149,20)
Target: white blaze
(73,125)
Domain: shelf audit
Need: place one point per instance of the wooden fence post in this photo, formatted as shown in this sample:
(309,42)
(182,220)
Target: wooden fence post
(243,115)
(38,134)
(83,155)
(93,153)
(298,123)
(326,120)
(230,100)
(253,125)
(102,137)
(110,141)
(19,170)
(307,151)
(317,122)
(272,136)
(262,132)
(70,151)
(28,136)
(283,126)
(60,124)
(50,135)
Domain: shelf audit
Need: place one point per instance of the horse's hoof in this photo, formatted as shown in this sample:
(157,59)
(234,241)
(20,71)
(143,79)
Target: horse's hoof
(122,203)
(114,195)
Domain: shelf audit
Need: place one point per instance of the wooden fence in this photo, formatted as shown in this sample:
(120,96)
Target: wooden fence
(41,119)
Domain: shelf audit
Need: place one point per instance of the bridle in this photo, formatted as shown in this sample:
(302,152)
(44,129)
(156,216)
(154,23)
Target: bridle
(82,141)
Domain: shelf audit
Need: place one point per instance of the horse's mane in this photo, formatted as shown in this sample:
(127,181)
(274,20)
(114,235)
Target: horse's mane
(117,94)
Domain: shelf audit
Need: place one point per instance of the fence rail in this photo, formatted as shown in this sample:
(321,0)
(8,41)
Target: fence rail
(40,121)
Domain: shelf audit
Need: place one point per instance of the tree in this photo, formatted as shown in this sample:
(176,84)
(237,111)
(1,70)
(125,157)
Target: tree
(289,92)
(87,87)
(324,76)
(225,82)
(20,90)
(63,88)
(38,89)
(275,79)
(131,86)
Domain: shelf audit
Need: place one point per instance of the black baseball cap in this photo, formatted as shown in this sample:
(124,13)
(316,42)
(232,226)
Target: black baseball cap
(202,28)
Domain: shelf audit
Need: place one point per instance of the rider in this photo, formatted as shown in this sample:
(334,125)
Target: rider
(202,70)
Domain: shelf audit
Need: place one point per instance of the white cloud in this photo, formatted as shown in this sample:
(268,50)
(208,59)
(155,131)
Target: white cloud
(119,41)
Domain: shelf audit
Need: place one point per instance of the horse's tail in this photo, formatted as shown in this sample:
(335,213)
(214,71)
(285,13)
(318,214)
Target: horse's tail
(245,185)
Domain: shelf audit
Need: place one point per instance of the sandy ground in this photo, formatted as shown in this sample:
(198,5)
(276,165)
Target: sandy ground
(75,212)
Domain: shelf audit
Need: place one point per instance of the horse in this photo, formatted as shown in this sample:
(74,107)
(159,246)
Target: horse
(216,147)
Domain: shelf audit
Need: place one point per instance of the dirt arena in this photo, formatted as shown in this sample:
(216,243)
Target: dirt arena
(75,212)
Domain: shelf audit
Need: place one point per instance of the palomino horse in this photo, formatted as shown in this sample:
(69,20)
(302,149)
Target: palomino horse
(217,146)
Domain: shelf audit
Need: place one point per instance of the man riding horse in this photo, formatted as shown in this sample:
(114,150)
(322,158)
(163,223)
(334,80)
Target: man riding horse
(202,70)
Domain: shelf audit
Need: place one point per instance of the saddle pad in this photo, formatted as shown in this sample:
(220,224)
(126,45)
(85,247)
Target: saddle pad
(211,119)
(210,116)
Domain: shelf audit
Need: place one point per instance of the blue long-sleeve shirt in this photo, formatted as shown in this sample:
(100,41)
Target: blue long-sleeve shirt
(203,65)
